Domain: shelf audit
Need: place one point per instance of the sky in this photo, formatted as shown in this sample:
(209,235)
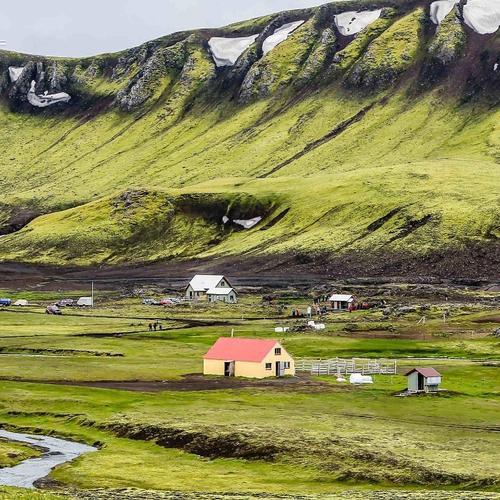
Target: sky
(78,28)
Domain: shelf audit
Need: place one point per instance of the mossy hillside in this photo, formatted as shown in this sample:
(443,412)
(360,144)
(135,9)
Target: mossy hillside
(299,149)
(180,156)
(393,52)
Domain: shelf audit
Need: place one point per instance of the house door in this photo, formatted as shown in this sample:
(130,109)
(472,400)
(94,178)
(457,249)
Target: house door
(229,369)
(280,369)
(421,382)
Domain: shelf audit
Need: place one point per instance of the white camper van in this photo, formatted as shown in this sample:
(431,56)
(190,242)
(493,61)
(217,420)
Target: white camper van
(85,302)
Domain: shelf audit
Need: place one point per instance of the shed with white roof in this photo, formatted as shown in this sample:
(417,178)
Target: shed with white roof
(342,302)
(227,295)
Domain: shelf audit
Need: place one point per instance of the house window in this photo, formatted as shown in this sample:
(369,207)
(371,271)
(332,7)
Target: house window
(269,366)
(286,365)
(277,351)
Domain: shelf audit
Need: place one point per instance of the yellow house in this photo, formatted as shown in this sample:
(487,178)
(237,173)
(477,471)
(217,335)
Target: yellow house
(250,358)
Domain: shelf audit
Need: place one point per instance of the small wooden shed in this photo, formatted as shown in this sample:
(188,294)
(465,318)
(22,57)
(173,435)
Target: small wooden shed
(250,358)
(423,380)
(342,302)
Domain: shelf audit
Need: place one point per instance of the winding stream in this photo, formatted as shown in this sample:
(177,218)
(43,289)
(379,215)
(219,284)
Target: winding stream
(56,452)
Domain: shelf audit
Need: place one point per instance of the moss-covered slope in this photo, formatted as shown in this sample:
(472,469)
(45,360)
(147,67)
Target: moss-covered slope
(365,150)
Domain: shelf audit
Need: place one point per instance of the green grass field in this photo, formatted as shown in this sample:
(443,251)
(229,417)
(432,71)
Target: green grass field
(294,439)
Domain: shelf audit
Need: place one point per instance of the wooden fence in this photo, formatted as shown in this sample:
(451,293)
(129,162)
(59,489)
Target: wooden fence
(339,366)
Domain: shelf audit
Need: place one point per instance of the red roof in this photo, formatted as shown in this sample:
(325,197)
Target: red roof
(238,349)
(426,372)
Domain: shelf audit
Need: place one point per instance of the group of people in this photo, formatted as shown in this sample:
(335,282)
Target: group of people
(153,327)
(315,310)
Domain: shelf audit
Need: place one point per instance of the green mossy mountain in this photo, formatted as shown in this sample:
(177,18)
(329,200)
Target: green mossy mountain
(369,154)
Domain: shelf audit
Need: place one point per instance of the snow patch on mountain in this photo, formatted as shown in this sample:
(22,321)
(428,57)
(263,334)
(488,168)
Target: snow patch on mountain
(226,51)
(45,100)
(440,9)
(248,224)
(352,22)
(15,73)
(483,16)
(280,35)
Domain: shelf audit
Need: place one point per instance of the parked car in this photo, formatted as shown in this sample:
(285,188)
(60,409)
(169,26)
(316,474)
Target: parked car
(53,310)
(167,302)
(21,303)
(5,302)
(150,302)
(170,301)
(65,303)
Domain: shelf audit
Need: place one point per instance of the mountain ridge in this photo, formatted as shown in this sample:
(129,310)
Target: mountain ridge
(378,147)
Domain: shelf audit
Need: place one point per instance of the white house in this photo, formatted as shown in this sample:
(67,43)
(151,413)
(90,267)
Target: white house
(227,295)
(423,380)
(342,302)
(202,283)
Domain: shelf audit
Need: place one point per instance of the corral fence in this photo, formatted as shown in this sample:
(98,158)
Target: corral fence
(338,366)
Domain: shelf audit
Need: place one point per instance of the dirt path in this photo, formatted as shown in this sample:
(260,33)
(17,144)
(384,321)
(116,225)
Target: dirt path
(196,382)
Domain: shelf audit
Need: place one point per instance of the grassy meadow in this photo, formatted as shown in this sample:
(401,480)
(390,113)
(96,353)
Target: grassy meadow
(313,436)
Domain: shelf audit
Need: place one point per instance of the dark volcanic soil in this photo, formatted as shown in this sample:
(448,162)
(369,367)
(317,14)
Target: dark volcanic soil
(196,382)
(474,266)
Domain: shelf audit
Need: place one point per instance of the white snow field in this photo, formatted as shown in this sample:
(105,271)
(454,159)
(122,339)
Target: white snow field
(248,224)
(44,100)
(440,9)
(483,16)
(226,51)
(15,73)
(280,35)
(350,23)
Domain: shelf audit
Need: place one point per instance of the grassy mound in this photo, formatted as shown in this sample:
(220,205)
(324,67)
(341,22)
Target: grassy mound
(13,453)
(131,227)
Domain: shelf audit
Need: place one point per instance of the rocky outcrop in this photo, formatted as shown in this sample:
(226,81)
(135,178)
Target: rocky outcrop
(149,79)
(49,77)
(318,58)
(389,55)
(281,66)
(18,94)
(449,41)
